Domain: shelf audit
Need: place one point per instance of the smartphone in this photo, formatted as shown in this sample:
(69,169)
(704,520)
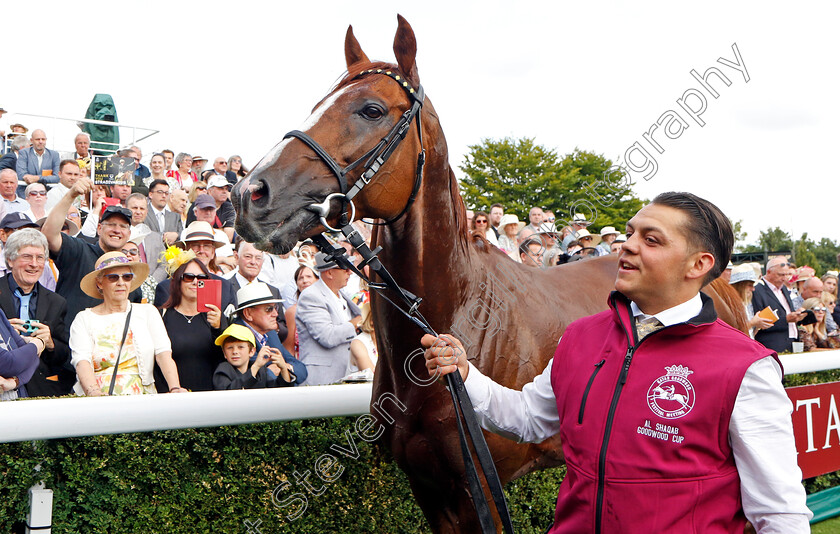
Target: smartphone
(31,326)
(209,292)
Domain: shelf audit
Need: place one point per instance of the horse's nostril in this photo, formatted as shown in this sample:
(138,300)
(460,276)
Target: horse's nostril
(258,190)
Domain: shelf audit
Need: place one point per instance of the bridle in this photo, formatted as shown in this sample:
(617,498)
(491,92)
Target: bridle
(373,159)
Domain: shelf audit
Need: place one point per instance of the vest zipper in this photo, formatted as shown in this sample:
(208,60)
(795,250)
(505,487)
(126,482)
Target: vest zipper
(602,459)
(586,391)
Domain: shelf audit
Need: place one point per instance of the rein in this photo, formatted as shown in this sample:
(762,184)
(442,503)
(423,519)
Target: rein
(373,161)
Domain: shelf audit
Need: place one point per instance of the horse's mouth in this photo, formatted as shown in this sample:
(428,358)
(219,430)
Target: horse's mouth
(272,228)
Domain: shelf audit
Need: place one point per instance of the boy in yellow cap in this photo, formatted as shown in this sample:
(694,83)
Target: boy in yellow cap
(238,345)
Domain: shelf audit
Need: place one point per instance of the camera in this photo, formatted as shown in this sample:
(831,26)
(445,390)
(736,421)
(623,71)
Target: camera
(31,326)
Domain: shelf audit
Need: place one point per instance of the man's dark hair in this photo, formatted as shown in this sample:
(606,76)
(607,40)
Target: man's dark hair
(524,247)
(497,205)
(66,162)
(707,229)
(156,183)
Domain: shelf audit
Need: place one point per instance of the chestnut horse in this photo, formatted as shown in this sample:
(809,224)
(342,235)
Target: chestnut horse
(509,316)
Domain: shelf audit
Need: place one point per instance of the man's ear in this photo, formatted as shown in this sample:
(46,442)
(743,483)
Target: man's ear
(699,265)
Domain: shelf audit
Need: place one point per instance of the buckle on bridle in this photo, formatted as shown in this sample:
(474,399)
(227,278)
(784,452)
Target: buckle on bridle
(322,210)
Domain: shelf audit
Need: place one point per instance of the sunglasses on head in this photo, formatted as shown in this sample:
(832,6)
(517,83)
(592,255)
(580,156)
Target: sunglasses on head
(820,309)
(192,277)
(114,278)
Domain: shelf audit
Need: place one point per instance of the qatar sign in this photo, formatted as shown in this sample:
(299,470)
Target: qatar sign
(816,427)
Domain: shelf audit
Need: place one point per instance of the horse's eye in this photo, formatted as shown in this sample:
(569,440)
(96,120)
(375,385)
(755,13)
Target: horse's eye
(372,112)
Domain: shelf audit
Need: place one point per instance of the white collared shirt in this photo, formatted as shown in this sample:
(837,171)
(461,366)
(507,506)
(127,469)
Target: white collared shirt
(760,430)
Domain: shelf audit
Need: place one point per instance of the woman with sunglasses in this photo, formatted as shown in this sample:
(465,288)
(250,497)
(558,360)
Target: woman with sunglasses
(481,224)
(36,196)
(815,336)
(98,345)
(193,333)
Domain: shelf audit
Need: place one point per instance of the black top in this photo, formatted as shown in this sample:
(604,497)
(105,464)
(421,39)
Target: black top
(74,260)
(227,377)
(193,349)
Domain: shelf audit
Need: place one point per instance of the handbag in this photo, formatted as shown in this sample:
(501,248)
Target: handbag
(119,352)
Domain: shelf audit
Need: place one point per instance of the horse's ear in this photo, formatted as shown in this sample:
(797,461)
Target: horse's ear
(352,50)
(405,50)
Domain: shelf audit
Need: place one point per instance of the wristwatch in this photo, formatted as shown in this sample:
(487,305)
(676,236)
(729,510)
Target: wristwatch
(17,382)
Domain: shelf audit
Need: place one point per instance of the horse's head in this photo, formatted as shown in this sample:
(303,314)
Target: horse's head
(275,202)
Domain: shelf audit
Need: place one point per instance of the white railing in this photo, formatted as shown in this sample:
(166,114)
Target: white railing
(809,362)
(66,417)
(25,420)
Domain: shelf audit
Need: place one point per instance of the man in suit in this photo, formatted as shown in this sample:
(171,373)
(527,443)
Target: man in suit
(38,163)
(249,262)
(9,159)
(23,299)
(326,324)
(771,291)
(166,226)
(258,310)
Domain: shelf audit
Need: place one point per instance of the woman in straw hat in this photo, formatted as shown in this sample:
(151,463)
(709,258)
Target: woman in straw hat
(509,227)
(115,345)
(743,279)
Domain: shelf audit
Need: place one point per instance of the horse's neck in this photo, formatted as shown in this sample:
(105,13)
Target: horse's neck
(429,245)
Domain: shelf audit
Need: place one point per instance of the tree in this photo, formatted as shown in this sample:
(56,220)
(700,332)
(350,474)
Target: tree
(520,174)
(771,240)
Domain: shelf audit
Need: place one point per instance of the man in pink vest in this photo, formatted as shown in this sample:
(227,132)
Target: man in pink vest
(671,421)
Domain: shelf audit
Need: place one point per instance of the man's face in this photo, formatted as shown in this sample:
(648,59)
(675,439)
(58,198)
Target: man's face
(656,259)
(82,145)
(813,289)
(158,196)
(249,260)
(207,215)
(534,257)
(28,267)
(219,194)
(113,233)
(157,164)
(121,192)
(779,273)
(198,166)
(204,250)
(220,166)
(340,277)
(39,140)
(169,158)
(69,174)
(263,317)
(535,216)
(615,247)
(8,184)
(139,210)
(179,201)
(496,215)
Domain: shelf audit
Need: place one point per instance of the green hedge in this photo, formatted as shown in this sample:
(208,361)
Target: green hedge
(214,480)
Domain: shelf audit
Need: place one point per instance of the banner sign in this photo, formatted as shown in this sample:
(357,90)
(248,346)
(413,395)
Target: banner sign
(816,427)
(113,170)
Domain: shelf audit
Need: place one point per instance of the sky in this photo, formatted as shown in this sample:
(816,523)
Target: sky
(222,78)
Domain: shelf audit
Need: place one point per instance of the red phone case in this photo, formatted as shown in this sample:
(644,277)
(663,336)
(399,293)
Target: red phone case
(209,292)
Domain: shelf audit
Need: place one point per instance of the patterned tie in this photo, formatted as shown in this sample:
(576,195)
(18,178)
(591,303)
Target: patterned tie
(646,324)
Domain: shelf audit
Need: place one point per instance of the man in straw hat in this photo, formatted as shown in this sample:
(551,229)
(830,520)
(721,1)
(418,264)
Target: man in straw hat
(326,324)
(670,420)
(201,239)
(258,310)
(75,257)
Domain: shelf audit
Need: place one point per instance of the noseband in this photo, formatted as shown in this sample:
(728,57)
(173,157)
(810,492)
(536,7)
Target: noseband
(373,159)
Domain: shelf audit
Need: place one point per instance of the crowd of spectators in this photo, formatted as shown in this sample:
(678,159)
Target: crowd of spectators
(540,243)
(144,287)
(789,307)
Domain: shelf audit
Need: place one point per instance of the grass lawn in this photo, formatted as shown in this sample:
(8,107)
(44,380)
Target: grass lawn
(831,526)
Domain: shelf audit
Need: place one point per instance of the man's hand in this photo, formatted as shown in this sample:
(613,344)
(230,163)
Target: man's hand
(445,354)
(30,178)
(760,324)
(43,333)
(795,316)
(82,186)
(169,238)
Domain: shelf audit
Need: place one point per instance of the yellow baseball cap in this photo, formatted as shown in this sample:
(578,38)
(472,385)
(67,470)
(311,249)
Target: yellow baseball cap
(237,331)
